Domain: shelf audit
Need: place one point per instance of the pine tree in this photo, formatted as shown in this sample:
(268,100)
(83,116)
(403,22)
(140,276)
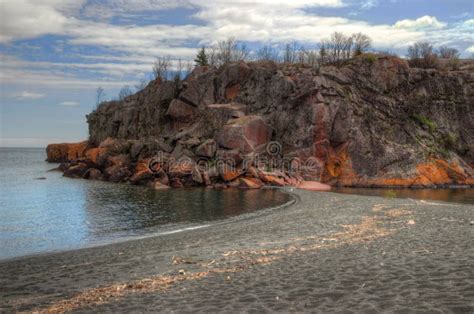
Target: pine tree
(201,58)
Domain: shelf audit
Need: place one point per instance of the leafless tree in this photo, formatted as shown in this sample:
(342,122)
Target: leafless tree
(178,70)
(142,83)
(341,47)
(100,96)
(421,54)
(362,43)
(446,52)
(161,68)
(188,68)
(312,58)
(290,53)
(267,53)
(124,92)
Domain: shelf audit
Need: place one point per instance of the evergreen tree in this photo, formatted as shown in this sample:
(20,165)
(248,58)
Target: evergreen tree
(201,58)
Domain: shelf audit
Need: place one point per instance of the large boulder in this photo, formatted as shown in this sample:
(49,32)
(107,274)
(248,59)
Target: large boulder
(181,111)
(244,134)
(207,149)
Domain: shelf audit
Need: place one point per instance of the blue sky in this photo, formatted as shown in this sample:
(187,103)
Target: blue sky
(55,53)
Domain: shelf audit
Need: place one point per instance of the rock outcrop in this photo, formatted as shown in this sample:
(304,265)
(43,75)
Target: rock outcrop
(370,122)
(65,151)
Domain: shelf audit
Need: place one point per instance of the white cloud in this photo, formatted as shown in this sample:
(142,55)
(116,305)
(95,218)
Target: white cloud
(469,22)
(369,4)
(29,18)
(69,103)
(421,23)
(25,95)
(470,49)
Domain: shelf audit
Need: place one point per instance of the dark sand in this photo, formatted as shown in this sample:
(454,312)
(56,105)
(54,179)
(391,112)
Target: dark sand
(326,253)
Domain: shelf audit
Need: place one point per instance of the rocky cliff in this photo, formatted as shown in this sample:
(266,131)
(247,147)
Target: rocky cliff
(373,121)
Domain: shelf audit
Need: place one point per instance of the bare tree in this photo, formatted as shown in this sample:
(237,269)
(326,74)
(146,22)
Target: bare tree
(267,53)
(161,68)
(341,47)
(212,56)
(178,70)
(312,58)
(301,55)
(124,92)
(142,83)
(227,51)
(290,53)
(188,68)
(362,43)
(446,52)
(421,54)
(100,96)
(323,52)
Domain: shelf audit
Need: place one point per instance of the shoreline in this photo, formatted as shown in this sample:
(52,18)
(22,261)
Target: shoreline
(262,251)
(186,227)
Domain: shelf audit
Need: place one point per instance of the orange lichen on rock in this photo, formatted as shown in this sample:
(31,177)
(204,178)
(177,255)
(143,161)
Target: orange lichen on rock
(339,167)
(65,151)
(93,154)
(250,183)
(231,92)
(229,174)
(433,172)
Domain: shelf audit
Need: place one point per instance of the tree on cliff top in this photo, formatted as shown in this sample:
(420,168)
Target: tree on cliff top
(161,68)
(100,96)
(201,57)
(124,92)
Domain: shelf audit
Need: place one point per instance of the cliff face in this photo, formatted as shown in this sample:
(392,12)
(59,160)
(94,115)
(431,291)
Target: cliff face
(372,122)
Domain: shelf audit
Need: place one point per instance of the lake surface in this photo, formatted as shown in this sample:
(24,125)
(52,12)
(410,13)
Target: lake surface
(460,195)
(55,214)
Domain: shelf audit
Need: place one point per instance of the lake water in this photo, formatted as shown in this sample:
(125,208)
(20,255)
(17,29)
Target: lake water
(460,195)
(58,213)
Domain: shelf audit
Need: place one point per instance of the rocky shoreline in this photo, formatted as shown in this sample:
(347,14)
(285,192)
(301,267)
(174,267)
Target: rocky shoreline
(371,122)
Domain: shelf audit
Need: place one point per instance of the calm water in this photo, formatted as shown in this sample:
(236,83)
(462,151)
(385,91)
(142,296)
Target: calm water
(59,213)
(460,195)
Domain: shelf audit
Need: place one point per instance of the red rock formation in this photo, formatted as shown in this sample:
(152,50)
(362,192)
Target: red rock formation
(65,151)
(366,123)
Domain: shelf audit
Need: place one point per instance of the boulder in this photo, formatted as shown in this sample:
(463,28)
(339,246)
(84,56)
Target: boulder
(157,185)
(142,176)
(93,154)
(250,183)
(272,179)
(206,178)
(76,171)
(314,186)
(176,183)
(182,167)
(207,149)
(93,174)
(197,176)
(181,111)
(117,173)
(229,173)
(231,157)
(244,134)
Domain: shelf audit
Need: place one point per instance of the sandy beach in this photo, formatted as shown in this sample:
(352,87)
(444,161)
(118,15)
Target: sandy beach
(326,252)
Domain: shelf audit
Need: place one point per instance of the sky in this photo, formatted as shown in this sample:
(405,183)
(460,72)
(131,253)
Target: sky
(54,54)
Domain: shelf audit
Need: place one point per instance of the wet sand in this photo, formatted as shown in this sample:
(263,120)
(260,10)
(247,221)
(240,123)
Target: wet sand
(326,253)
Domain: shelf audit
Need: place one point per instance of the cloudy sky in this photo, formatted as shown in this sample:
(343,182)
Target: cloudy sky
(55,53)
